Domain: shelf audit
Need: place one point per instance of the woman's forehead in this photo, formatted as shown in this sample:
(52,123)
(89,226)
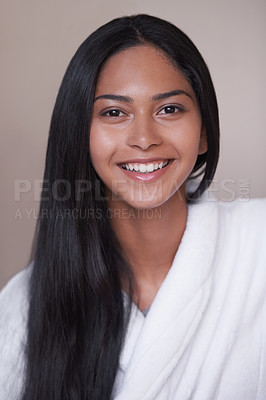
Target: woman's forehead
(138,69)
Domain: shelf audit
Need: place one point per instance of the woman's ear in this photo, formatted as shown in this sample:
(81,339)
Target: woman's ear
(203,147)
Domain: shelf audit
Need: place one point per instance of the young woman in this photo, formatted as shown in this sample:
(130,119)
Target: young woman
(139,288)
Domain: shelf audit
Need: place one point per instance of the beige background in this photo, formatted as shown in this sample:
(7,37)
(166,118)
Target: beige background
(38,38)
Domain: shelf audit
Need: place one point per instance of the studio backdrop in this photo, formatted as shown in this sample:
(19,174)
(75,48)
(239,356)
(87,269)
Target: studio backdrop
(38,38)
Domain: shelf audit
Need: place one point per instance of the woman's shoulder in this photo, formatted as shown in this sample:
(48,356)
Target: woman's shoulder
(239,206)
(241,252)
(14,295)
(14,306)
(245,217)
(248,213)
(13,323)
(240,231)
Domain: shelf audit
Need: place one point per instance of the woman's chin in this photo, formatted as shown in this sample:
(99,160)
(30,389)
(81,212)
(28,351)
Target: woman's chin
(141,204)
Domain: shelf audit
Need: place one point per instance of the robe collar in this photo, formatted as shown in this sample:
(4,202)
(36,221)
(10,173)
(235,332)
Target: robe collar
(157,343)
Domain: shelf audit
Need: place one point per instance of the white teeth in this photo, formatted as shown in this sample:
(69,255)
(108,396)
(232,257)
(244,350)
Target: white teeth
(150,168)
(145,168)
(142,168)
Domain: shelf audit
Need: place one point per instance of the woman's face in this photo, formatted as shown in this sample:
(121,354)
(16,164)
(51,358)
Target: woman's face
(146,130)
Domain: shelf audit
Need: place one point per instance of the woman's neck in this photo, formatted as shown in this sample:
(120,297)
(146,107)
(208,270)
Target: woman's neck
(149,240)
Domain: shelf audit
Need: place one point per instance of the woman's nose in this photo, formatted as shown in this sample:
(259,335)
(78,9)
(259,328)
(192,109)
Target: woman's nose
(144,133)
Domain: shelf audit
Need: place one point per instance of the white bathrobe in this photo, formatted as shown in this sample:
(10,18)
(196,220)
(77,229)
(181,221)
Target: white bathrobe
(204,337)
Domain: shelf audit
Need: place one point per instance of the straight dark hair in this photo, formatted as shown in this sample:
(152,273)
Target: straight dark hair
(77,315)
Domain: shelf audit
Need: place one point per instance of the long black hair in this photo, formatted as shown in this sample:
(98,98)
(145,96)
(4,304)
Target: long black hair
(77,315)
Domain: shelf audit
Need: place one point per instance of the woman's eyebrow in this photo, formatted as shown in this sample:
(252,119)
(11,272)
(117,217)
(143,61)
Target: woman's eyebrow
(156,97)
(162,96)
(117,97)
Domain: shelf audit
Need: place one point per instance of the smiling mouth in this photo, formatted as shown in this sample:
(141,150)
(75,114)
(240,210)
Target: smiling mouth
(147,168)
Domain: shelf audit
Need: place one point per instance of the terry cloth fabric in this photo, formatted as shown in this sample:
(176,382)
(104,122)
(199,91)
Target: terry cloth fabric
(204,337)
(13,321)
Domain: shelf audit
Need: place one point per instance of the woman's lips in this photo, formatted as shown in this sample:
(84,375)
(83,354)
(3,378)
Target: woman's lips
(145,170)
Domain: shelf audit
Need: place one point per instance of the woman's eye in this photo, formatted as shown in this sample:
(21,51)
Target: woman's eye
(113,113)
(170,110)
